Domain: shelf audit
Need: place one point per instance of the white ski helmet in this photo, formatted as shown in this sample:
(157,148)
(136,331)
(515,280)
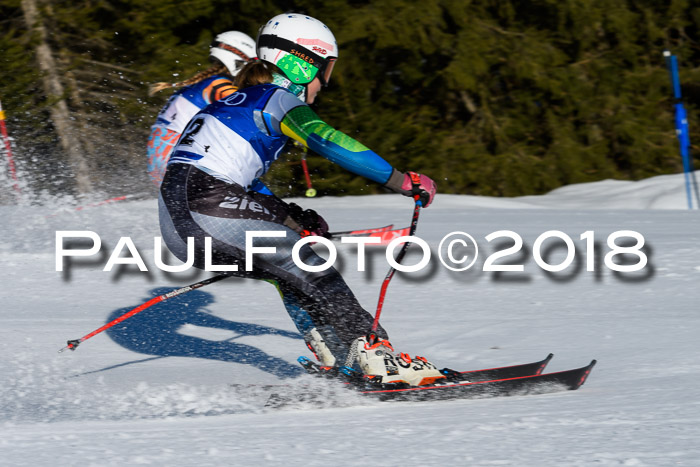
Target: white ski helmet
(234,49)
(299,45)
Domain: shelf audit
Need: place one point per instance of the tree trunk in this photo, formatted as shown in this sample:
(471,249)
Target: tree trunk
(60,114)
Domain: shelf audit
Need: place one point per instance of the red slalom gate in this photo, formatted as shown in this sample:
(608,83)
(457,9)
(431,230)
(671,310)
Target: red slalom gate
(8,152)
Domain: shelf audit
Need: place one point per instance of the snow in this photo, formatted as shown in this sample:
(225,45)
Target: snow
(184,382)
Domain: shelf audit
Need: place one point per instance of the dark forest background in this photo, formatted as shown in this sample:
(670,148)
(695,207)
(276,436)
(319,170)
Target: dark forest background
(488,97)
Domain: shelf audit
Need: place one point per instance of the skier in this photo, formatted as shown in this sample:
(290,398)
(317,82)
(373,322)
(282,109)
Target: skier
(211,189)
(228,53)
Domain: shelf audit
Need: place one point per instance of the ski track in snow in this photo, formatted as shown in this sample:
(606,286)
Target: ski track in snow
(186,381)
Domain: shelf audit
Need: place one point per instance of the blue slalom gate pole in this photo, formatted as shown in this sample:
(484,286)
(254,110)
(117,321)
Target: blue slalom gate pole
(682,132)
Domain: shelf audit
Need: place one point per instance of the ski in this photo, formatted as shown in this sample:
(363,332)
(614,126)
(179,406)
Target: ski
(513,371)
(518,386)
(503,381)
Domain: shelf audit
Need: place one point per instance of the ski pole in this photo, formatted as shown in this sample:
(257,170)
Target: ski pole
(372,336)
(682,131)
(310,190)
(74,343)
(361,232)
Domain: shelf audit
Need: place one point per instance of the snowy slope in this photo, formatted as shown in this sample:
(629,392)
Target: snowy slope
(157,389)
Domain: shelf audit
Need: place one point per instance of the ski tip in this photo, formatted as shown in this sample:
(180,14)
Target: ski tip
(585,372)
(544,363)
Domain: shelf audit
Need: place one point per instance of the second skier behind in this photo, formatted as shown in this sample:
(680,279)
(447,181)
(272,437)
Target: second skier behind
(228,53)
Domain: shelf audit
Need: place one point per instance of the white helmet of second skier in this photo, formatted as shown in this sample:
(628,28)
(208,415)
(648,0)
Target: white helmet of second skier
(234,49)
(299,45)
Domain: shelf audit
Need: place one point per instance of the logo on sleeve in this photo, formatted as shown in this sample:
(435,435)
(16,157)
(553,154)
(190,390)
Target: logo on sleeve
(243,204)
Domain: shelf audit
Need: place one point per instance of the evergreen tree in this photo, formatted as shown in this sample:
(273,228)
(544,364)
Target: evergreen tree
(488,97)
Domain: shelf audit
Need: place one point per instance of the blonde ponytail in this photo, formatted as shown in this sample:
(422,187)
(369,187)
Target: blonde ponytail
(215,69)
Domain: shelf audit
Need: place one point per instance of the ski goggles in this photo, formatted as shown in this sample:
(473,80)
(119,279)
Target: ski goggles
(300,64)
(327,71)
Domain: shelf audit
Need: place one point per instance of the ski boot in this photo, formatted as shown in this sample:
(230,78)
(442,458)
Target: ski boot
(379,364)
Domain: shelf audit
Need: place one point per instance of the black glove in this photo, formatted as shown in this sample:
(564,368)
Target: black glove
(309,220)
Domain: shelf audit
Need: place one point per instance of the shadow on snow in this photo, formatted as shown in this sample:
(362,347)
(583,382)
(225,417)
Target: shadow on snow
(155,331)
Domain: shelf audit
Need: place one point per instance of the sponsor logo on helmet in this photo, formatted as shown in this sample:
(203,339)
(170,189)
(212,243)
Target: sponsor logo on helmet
(316,42)
(302,56)
(320,50)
